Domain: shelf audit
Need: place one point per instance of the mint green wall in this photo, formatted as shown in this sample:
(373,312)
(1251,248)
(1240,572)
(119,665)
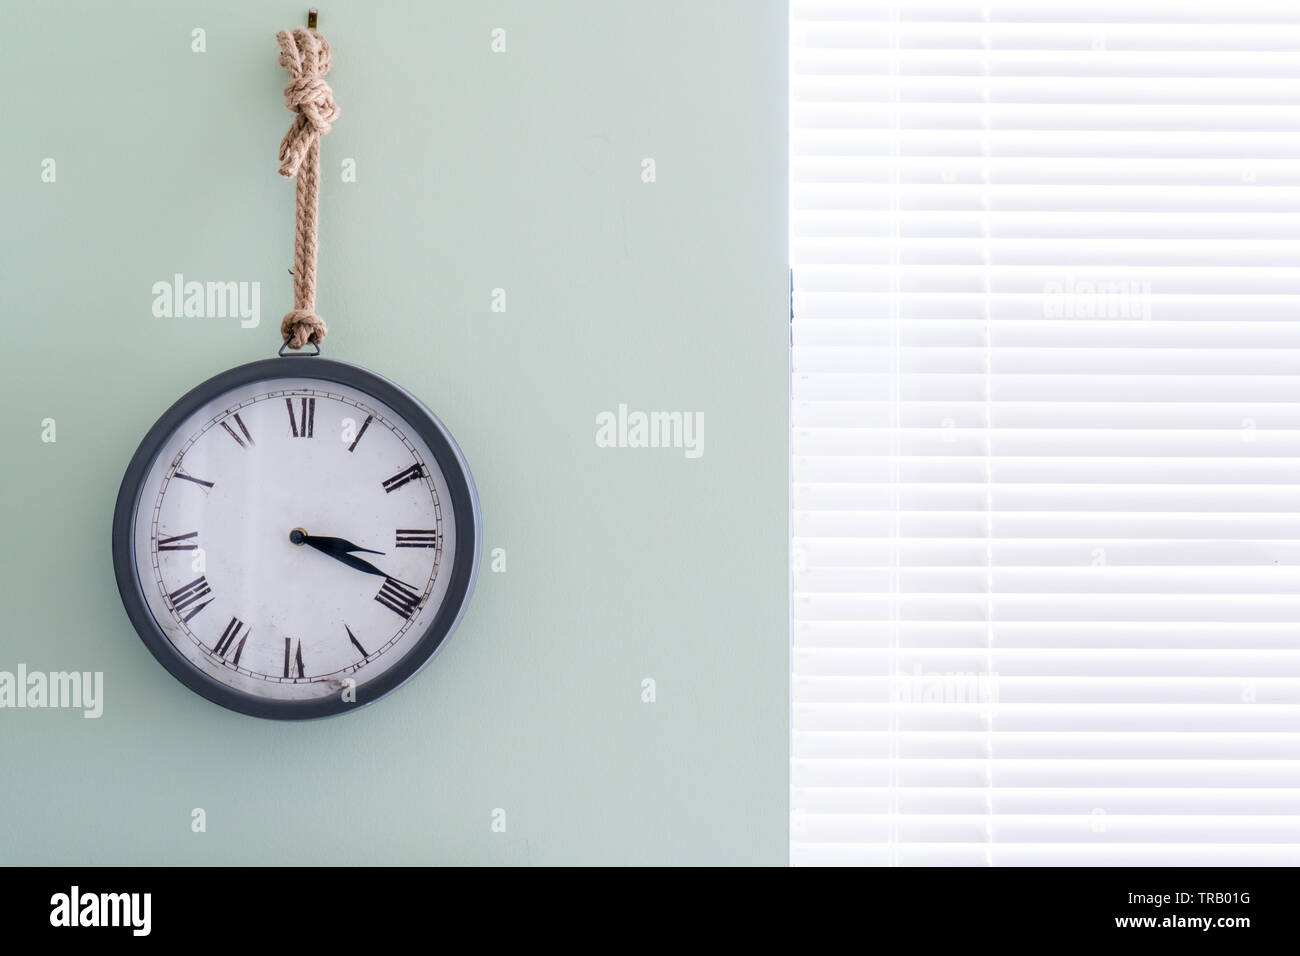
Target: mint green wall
(475,171)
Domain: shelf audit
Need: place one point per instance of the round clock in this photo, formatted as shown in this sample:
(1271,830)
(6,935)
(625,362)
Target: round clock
(296,537)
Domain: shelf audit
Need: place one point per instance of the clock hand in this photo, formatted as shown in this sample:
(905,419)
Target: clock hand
(323,543)
(340,549)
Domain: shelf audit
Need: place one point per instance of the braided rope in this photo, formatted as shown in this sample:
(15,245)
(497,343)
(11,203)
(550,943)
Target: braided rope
(305,54)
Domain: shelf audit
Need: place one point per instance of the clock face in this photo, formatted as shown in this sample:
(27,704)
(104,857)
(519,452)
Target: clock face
(299,537)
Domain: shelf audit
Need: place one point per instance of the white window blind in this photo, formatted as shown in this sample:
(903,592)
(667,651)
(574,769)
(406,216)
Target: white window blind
(1046,432)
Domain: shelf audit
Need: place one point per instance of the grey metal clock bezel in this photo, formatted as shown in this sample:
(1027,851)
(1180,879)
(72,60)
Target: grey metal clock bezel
(464,505)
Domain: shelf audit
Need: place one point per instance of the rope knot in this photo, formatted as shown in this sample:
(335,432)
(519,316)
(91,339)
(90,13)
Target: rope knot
(302,327)
(306,56)
(312,97)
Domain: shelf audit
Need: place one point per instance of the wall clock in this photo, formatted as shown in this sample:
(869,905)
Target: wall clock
(296,537)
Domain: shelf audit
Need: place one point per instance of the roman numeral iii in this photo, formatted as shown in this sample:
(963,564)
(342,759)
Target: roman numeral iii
(398,597)
(402,477)
(235,630)
(413,538)
(189,595)
(306,423)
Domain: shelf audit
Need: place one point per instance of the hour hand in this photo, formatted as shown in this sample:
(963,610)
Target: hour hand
(340,549)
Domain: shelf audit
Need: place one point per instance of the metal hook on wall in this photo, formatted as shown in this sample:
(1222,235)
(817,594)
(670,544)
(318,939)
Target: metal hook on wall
(311,19)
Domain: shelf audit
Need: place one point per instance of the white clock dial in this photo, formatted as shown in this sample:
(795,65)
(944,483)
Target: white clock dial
(293,538)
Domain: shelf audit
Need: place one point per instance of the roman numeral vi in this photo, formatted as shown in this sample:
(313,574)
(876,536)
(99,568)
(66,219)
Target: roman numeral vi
(293,659)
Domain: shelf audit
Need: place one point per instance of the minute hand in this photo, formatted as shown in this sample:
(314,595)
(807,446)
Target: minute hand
(341,549)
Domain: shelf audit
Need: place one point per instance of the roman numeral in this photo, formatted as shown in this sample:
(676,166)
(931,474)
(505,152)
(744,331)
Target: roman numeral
(361,431)
(398,597)
(355,643)
(293,659)
(304,428)
(402,477)
(242,427)
(233,630)
(412,538)
(190,594)
(198,481)
(179,542)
